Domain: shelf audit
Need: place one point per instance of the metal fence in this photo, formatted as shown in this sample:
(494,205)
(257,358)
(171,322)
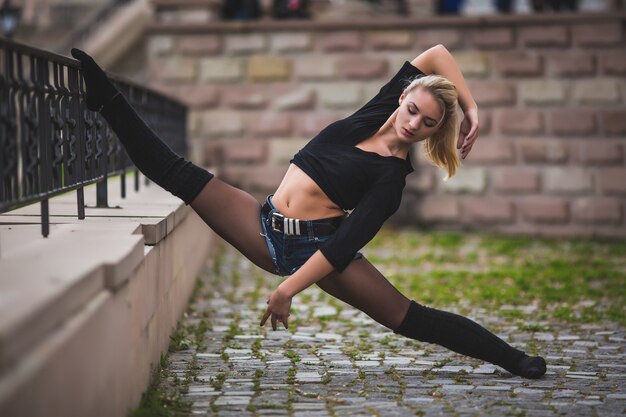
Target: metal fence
(50,143)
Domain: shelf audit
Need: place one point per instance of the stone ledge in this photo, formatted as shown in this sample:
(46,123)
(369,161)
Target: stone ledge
(395,23)
(44,280)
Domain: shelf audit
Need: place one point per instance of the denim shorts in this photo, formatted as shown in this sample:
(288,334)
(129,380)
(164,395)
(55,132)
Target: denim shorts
(289,253)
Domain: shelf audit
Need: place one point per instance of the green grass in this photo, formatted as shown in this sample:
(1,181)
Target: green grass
(480,270)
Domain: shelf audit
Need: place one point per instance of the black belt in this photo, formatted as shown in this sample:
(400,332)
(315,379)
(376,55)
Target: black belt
(296,227)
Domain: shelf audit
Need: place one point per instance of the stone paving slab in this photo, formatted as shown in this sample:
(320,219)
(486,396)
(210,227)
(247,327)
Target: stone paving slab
(335,361)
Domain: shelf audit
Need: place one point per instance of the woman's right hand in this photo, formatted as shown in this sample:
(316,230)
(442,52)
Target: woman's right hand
(468,132)
(278,305)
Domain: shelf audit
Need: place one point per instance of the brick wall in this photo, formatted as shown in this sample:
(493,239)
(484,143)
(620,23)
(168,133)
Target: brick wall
(551,92)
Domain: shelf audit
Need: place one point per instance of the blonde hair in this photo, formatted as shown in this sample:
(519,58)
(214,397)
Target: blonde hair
(441,146)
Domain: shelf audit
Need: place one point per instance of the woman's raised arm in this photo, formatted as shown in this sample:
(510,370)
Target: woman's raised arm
(438,60)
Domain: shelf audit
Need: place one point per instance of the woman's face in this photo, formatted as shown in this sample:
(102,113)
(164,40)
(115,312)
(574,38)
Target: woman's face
(418,116)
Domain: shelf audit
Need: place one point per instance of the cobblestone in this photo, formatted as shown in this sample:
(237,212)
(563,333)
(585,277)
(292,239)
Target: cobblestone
(335,361)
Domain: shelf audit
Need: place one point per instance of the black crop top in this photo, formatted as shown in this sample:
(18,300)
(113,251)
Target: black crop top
(365,182)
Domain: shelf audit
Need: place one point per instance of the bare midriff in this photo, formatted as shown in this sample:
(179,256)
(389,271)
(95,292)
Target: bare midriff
(299,197)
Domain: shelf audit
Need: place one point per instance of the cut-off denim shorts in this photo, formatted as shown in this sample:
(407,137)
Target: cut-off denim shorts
(290,252)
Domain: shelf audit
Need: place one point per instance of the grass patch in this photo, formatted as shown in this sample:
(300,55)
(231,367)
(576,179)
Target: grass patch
(482,270)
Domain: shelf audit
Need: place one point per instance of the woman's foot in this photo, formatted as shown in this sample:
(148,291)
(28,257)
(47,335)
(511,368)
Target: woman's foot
(532,367)
(100,91)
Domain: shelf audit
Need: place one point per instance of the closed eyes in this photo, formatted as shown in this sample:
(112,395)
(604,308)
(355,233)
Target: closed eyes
(428,122)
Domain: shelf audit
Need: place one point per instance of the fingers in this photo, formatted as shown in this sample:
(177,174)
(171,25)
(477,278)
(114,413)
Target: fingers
(459,142)
(265,316)
(275,319)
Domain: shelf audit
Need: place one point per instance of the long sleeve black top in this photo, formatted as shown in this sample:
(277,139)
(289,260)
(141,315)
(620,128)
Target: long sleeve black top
(365,182)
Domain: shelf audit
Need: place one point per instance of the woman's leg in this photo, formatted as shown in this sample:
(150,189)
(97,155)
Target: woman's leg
(235,216)
(364,287)
(231,213)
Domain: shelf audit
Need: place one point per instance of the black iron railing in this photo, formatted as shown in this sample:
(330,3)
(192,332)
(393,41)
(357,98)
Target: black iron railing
(50,143)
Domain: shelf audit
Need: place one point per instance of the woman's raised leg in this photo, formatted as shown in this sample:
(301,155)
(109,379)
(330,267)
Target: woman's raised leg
(235,216)
(232,213)
(364,287)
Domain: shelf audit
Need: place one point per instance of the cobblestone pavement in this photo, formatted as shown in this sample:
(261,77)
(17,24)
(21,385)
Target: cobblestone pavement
(335,361)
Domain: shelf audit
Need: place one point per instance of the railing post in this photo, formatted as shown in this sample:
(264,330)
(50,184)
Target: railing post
(102,194)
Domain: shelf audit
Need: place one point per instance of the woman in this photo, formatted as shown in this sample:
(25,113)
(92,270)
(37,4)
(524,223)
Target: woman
(359,164)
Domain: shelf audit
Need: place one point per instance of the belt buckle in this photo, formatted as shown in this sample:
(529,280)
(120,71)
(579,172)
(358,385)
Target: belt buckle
(274,216)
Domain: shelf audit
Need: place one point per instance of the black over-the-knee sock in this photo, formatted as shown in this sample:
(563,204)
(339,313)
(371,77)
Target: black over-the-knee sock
(467,337)
(147,151)
(151,155)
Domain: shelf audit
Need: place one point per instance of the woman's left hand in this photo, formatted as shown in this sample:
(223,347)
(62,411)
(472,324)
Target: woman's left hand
(468,132)
(278,307)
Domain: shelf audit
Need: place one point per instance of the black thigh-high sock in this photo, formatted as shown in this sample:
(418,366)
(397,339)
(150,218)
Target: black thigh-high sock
(147,151)
(467,337)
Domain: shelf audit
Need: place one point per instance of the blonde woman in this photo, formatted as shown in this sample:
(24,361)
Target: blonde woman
(357,165)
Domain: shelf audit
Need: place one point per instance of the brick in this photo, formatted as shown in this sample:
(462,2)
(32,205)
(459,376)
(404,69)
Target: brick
(340,42)
(544,36)
(439,209)
(244,96)
(360,67)
(310,124)
(524,122)
(221,123)
(611,180)
(426,38)
(614,122)
(492,38)
(244,44)
(515,180)
(198,95)
(194,122)
(340,95)
(471,180)
(174,69)
(269,68)
(493,93)
(244,150)
(597,91)
(567,180)
(200,44)
(597,34)
(270,124)
(614,63)
(212,154)
(487,210)
(291,42)
(421,182)
(235,175)
(597,210)
(472,64)
(266,177)
(547,151)
(544,209)
(159,45)
(389,40)
(492,151)
(302,98)
(601,153)
(571,64)
(282,150)
(573,122)
(315,67)
(484,121)
(518,64)
(221,70)
(542,92)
